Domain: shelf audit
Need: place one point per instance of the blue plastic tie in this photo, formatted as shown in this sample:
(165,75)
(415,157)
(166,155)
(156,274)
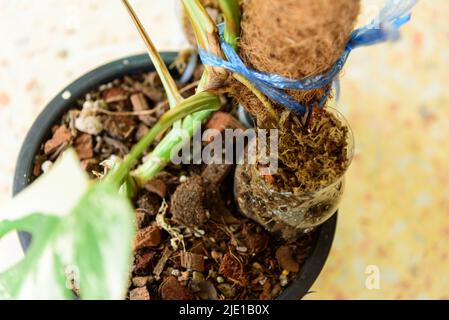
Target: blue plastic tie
(384,28)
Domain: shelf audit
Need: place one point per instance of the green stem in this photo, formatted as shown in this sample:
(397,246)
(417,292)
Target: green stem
(200,102)
(206,33)
(232,15)
(128,187)
(207,38)
(160,156)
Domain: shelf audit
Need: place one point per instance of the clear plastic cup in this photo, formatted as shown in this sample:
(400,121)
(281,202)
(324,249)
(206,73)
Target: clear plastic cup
(289,212)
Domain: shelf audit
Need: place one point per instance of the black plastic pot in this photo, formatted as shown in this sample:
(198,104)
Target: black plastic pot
(51,115)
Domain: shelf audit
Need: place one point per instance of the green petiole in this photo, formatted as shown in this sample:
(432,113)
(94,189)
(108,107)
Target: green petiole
(200,102)
(206,33)
(232,15)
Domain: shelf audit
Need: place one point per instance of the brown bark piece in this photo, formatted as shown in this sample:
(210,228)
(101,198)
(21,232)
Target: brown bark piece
(255,237)
(60,136)
(119,127)
(192,261)
(141,218)
(156,186)
(142,263)
(284,255)
(162,261)
(222,120)
(148,237)
(139,104)
(115,95)
(171,289)
(84,146)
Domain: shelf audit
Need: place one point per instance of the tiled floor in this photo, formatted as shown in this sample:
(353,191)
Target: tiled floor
(395,215)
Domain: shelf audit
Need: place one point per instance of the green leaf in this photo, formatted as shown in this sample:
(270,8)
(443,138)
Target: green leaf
(232,14)
(93,237)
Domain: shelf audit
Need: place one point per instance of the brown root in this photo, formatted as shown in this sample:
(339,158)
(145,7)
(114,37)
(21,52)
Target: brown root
(313,151)
(252,104)
(313,154)
(308,185)
(265,120)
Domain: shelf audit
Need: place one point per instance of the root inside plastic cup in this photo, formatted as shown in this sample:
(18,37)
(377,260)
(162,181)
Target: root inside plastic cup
(286,211)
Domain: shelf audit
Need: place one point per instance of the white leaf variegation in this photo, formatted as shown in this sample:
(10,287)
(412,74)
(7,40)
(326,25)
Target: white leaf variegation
(55,193)
(75,224)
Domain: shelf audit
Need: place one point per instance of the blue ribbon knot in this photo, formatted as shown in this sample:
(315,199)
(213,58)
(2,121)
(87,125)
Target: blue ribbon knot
(384,28)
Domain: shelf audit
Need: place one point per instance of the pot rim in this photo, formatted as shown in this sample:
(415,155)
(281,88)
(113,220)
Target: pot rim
(68,97)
